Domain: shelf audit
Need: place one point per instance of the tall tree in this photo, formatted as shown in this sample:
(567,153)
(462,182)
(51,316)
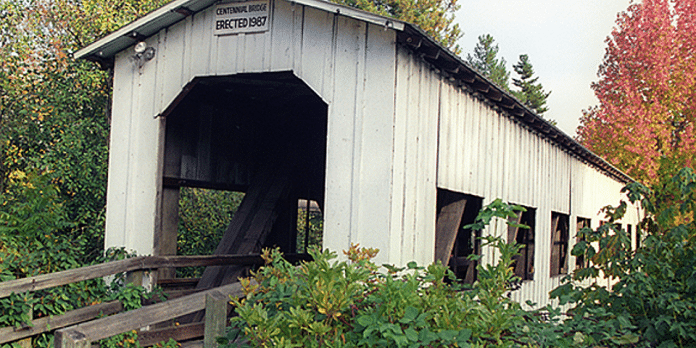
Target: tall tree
(531,92)
(54,110)
(486,61)
(644,123)
(435,17)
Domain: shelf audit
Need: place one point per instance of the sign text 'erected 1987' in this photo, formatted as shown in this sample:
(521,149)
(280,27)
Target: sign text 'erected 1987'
(241,17)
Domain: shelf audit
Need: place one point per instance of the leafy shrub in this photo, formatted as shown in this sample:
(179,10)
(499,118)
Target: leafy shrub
(330,303)
(653,300)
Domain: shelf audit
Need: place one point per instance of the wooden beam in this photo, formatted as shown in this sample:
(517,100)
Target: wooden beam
(481,86)
(215,318)
(50,323)
(70,276)
(430,52)
(180,97)
(178,333)
(494,95)
(251,223)
(507,102)
(466,76)
(174,182)
(132,320)
(447,227)
(448,64)
(67,277)
(166,239)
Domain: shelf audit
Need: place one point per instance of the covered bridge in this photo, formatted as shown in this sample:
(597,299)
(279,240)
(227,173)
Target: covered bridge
(398,140)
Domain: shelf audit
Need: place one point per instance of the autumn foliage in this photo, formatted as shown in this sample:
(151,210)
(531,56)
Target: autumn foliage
(644,123)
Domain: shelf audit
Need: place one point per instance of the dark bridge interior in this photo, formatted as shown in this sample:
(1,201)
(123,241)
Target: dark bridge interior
(263,134)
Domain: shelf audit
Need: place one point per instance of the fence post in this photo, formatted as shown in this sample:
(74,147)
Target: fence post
(70,338)
(26,343)
(215,318)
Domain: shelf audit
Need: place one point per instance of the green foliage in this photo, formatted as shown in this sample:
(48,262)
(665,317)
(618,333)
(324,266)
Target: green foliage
(329,303)
(653,299)
(487,62)
(435,17)
(315,226)
(531,93)
(204,215)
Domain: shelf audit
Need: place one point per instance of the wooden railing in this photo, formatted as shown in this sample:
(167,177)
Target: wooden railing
(78,328)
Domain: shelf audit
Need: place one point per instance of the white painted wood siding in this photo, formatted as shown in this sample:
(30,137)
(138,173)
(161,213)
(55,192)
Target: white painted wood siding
(397,130)
(486,153)
(347,62)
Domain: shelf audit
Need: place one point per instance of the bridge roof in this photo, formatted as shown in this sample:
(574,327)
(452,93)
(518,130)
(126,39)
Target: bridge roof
(408,35)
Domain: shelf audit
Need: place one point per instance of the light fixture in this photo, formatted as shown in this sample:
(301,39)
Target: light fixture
(140,47)
(143,53)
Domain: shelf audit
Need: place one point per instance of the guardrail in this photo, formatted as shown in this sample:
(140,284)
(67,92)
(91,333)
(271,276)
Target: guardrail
(78,328)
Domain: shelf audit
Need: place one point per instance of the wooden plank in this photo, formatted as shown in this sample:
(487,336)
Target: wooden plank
(195,344)
(135,319)
(555,247)
(46,324)
(281,55)
(46,281)
(252,221)
(374,190)
(66,277)
(447,227)
(178,333)
(215,318)
(165,240)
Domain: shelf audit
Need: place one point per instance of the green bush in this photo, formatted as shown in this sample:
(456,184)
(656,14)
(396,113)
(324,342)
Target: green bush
(330,303)
(653,300)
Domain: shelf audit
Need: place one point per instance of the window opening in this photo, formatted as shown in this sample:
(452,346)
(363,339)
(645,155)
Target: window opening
(454,244)
(559,244)
(204,215)
(524,262)
(580,261)
(310,225)
(629,231)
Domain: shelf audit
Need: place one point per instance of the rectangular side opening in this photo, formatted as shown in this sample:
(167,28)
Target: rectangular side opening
(453,243)
(524,262)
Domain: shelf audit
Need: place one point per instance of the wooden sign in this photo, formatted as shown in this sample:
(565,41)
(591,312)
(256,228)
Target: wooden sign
(242,17)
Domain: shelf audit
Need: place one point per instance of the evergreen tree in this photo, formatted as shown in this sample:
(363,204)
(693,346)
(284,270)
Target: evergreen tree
(486,61)
(531,93)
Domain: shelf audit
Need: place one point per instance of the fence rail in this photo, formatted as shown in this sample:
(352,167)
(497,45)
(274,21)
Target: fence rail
(70,276)
(77,326)
(83,334)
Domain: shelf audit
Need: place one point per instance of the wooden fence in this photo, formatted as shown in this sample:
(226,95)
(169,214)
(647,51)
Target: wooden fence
(80,327)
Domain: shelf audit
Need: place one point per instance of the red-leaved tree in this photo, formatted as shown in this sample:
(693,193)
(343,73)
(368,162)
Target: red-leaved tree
(644,123)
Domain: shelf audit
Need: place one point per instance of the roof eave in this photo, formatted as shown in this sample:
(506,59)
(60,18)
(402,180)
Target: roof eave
(413,37)
(148,25)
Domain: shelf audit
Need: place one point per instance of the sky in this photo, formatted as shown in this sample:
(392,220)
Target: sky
(564,39)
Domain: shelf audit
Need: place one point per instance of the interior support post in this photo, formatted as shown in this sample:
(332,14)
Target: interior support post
(165,240)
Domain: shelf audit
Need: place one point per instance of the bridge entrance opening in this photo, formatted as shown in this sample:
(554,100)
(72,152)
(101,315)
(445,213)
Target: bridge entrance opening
(261,134)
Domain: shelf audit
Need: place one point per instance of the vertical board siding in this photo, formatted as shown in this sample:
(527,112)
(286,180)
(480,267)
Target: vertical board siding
(412,235)
(321,48)
(340,212)
(376,150)
(397,130)
(117,182)
(488,154)
(133,194)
